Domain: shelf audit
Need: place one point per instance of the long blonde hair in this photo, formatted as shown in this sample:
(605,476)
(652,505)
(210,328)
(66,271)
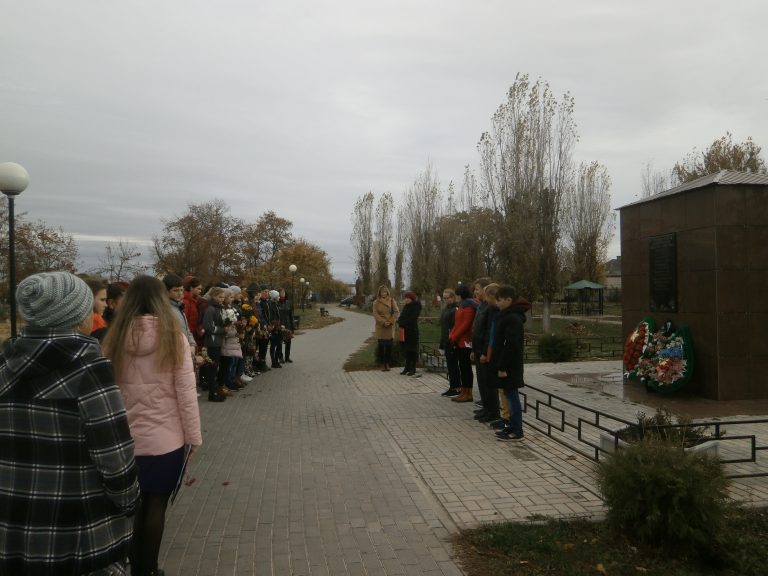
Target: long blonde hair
(145,295)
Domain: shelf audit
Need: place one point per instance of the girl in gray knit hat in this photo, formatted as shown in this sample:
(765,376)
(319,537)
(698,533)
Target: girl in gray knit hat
(67,473)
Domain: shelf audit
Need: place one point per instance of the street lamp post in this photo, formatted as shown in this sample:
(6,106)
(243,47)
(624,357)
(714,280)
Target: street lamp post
(306,295)
(14,179)
(292,269)
(301,283)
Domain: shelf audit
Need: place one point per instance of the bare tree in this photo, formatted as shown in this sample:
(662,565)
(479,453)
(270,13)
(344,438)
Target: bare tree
(654,182)
(42,248)
(421,211)
(362,240)
(120,262)
(400,244)
(525,167)
(39,248)
(203,242)
(274,234)
(588,222)
(470,191)
(383,235)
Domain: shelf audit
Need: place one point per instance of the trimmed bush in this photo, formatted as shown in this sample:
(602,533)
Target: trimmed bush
(665,496)
(556,348)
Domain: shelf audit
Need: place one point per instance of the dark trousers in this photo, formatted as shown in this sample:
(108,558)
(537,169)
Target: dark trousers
(212,370)
(263,346)
(452,363)
(275,342)
(287,350)
(465,367)
(384,352)
(222,374)
(515,409)
(489,394)
(411,356)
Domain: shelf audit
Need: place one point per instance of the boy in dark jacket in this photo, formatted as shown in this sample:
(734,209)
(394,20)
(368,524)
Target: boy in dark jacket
(507,357)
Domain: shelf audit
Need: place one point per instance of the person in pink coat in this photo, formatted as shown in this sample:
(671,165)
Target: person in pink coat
(153,369)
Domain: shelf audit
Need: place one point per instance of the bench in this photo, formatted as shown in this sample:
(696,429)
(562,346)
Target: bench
(323,311)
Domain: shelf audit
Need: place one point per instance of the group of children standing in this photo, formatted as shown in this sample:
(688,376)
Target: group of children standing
(231,332)
(235,332)
(485,327)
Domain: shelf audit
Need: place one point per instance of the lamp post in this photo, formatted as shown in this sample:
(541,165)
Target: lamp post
(301,282)
(14,179)
(292,269)
(306,295)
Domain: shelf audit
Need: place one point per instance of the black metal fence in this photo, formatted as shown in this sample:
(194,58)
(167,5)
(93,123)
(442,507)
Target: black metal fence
(593,433)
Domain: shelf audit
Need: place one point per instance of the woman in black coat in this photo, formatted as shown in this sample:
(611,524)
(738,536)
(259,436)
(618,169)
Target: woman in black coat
(409,330)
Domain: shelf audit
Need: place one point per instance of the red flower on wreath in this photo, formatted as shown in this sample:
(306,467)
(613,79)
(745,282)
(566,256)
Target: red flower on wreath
(635,344)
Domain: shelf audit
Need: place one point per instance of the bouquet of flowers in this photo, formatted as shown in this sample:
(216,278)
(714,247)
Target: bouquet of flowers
(203,353)
(230,315)
(666,363)
(250,326)
(635,345)
(249,315)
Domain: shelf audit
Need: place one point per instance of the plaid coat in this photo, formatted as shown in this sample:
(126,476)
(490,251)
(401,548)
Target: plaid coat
(67,473)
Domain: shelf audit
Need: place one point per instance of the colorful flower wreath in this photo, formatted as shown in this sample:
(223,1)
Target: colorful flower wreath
(666,362)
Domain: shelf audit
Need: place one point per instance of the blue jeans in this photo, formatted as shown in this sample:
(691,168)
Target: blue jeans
(232,371)
(515,410)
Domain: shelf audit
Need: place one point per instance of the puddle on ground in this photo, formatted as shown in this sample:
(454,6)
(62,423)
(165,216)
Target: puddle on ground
(612,384)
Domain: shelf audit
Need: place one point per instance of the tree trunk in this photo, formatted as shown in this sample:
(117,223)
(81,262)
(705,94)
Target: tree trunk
(546,316)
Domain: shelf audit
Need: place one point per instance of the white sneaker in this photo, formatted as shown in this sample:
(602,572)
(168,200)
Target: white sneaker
(245,378)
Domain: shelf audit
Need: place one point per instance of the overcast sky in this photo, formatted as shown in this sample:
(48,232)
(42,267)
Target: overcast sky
(123,112)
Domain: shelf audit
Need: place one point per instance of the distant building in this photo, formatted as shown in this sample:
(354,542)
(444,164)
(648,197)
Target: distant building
(613,273)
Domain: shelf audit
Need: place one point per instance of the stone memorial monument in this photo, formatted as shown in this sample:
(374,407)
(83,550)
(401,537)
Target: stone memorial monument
(698,255)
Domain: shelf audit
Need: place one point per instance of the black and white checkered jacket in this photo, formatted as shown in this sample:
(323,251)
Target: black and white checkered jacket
(67,474)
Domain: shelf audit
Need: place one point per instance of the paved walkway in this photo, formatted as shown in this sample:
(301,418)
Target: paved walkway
(314,471)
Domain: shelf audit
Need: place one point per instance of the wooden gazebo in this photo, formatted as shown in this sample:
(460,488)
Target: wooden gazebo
(584,298)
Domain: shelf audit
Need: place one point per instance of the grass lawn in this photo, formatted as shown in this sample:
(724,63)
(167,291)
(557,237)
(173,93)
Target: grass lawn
(310,318)
(577,547)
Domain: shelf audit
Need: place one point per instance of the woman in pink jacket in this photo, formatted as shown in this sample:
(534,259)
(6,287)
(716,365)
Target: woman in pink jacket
(153,368)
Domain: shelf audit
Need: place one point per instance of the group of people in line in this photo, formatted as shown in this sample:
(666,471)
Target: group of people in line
(238,331)
(99,410)
(481,327)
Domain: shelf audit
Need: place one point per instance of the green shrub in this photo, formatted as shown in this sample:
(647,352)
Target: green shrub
(663,427)
(665,496)
(556,348)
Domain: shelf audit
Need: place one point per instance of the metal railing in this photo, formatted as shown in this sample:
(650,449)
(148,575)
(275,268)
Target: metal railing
(593,433)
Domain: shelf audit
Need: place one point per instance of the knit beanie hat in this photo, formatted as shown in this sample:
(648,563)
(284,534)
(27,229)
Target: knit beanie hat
(410,294)
(54,300)
(274,294)
(235,290)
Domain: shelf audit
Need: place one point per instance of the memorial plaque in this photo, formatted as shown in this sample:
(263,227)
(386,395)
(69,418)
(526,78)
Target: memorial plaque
(662,273)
